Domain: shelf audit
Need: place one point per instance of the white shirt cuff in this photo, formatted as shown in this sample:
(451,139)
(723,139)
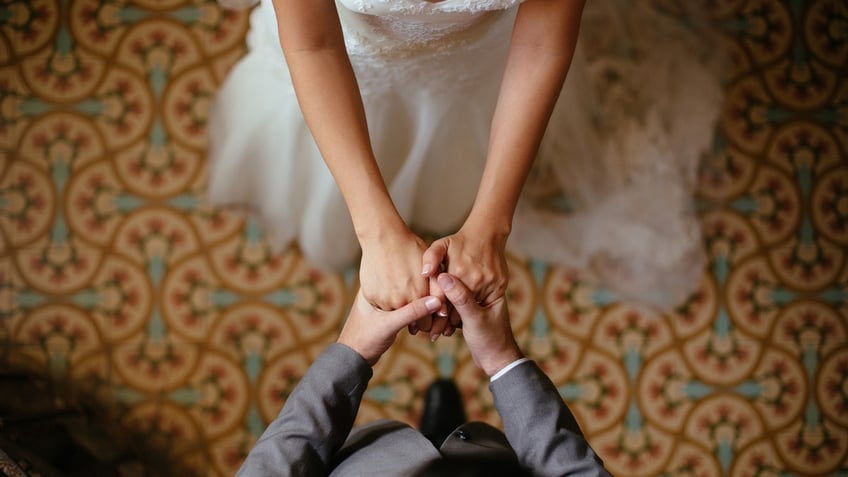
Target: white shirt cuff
(507,368)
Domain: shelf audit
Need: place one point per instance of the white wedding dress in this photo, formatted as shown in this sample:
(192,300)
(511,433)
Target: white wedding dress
(621,149)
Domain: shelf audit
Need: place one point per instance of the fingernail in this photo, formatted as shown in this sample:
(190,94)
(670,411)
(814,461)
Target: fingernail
(446,281)
(426,269)
(433,338)
(433,303)
(442,313)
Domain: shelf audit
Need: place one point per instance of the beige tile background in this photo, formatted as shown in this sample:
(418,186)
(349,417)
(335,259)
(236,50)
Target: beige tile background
(115,273)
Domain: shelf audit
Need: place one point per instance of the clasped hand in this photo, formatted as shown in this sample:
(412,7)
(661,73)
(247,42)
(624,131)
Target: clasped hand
(399,268)
(487,333)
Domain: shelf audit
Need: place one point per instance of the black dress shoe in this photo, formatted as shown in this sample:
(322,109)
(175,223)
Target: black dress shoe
(443,411)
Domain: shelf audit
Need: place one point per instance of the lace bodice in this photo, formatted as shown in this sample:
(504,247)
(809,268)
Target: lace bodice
(393,26)
(394,41)
(425,7)
(409,7)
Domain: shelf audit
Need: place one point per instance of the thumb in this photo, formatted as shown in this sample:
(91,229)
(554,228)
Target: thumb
(414,310)
(436,291)
(433,257)
(459,295)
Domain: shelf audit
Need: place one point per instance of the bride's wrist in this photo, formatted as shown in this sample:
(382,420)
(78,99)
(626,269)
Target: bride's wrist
(487,227)
(380,230)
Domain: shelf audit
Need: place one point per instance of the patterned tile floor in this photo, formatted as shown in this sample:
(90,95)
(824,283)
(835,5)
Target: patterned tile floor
(115,273)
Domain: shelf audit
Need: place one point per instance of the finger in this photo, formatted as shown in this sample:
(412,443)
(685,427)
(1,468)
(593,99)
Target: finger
(414,311)
(455,320)
(459,295)
(439,324)
(433,257)
(424,324)
(436,291)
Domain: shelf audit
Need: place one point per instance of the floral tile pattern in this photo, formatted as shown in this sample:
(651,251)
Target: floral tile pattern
(115,272)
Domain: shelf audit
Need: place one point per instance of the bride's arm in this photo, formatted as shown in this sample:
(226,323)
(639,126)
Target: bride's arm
(326,88)
(540,53)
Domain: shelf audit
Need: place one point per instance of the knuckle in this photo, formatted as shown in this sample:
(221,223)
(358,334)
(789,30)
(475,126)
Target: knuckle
(434,250)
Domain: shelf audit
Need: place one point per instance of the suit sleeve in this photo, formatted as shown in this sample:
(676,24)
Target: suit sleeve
(315,420)
(540,427)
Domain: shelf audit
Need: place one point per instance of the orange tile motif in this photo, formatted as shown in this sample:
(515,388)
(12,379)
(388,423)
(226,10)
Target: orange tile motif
(115,272)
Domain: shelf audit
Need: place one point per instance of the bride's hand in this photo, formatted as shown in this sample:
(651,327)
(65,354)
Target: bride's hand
(390,275)
(476,257)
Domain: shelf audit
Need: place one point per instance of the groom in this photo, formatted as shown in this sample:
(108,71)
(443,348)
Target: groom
(312,434)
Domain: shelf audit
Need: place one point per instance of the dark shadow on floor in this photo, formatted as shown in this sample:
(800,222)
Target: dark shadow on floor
(49,428)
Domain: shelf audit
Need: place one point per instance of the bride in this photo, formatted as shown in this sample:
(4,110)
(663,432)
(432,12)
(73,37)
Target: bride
(357,125)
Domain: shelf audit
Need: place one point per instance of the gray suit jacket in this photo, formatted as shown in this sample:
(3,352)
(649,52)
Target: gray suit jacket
(312,434)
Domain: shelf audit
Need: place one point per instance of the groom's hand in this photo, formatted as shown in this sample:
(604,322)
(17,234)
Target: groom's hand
(486,329)
(370,331)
